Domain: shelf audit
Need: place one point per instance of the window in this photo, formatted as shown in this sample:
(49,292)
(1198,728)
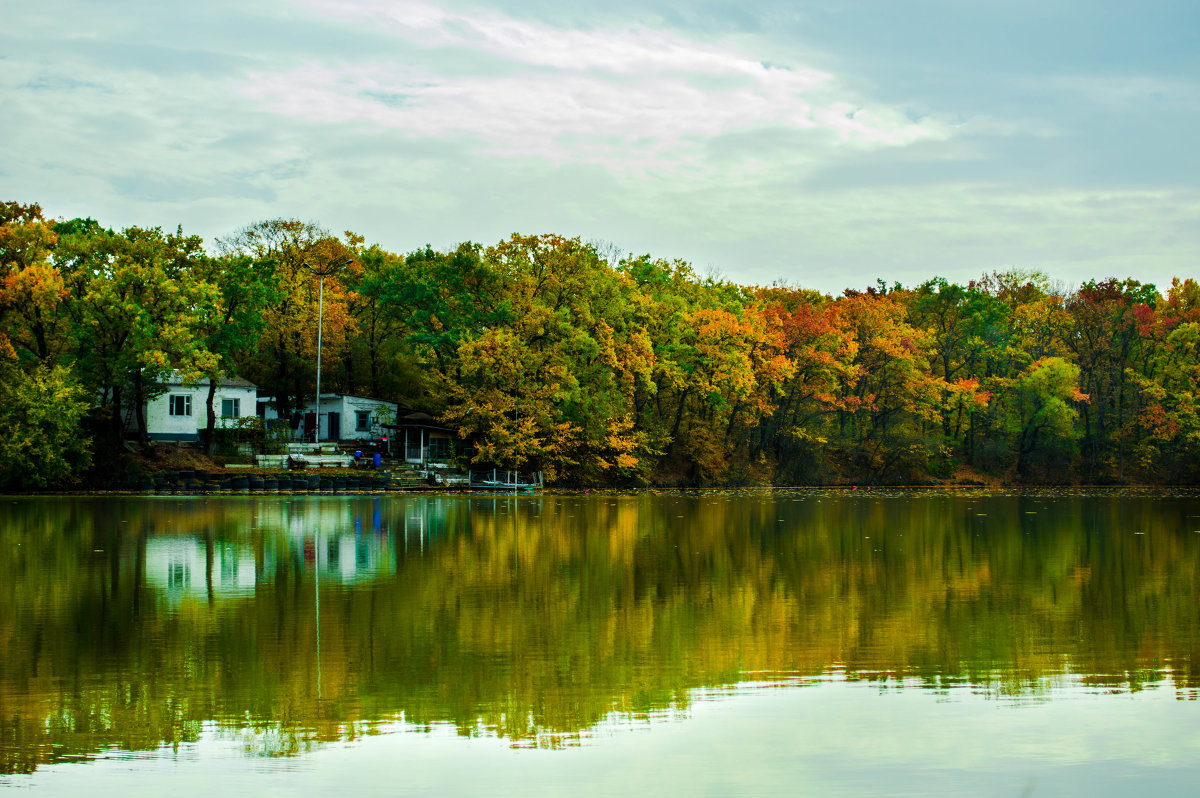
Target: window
(439,448)
(231,408)
(181,404)
(178,573)
(362,420)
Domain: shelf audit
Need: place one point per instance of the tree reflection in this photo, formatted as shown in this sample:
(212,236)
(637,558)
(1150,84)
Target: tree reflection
(134,623)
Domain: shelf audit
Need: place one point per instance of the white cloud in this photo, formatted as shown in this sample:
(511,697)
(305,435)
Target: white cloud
(629,98)
(624,51)
(412,123)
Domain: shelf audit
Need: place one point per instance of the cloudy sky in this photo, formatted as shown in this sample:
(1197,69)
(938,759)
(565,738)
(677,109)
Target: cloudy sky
(823,144)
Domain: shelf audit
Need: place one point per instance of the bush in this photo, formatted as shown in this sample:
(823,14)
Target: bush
(41,414)
(261,436)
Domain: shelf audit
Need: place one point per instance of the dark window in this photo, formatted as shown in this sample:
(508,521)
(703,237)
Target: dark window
(231,408)
(178,574)
(439,448)
(181,404)
(362,420)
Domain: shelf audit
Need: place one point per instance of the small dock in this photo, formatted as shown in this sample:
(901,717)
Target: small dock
(498,480)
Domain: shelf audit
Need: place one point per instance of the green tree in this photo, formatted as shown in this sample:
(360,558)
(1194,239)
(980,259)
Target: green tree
(233,324)
(41,413)
(970,335)
(135,318)
(1046,397)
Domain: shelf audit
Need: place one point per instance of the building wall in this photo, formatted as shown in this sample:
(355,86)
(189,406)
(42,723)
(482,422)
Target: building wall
(347,408)
(163,426)
(352,405)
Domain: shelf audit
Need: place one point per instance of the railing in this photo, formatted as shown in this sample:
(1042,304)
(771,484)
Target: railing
(497,479)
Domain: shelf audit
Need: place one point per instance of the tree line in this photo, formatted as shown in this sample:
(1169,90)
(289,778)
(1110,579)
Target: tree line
(553,354)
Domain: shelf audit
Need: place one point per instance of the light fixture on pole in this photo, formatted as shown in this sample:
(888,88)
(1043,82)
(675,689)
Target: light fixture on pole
(330,270)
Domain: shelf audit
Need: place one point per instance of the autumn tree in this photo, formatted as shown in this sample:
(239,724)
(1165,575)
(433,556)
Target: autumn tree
(1105,342)
(283,362)
(1165,430)
(551,387)
(890,403)
(31,288)
(798,432)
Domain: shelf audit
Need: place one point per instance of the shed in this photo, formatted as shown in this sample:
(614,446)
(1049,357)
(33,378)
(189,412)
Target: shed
(345,417)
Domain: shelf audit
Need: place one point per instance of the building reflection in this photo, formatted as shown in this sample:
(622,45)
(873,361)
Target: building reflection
(178,566)
(344,542)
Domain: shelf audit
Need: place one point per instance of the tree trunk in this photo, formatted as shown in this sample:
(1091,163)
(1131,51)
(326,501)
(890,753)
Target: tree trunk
(139,409)
(210,424)
(116,425)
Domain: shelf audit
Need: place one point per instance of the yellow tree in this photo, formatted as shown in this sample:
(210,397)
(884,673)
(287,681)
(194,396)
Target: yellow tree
(551,384)
(31,288)
(284,360)
(799,430)
(890,401)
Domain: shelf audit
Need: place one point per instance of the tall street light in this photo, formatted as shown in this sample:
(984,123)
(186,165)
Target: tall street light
(330,269)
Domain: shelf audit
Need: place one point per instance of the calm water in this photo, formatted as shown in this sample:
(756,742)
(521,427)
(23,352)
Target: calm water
(795,643)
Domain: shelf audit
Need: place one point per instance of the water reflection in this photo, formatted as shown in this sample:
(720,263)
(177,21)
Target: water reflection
(285,623)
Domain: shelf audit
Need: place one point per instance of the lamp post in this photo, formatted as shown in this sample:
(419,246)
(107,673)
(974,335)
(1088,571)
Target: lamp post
(330,270)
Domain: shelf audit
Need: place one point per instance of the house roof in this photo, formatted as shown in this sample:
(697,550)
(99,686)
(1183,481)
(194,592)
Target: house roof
(228,382)
(269,397)
(330,395)
(416,419)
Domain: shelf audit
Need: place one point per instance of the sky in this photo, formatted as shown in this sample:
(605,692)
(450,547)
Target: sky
(823,145)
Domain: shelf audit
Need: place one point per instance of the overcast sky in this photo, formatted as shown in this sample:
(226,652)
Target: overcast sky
(823,144)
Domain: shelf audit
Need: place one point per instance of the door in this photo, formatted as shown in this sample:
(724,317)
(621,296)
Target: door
(335,426)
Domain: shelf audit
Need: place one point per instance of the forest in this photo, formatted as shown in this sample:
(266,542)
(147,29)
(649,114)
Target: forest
(595,367)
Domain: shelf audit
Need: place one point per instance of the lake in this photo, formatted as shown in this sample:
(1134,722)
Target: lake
(807,642)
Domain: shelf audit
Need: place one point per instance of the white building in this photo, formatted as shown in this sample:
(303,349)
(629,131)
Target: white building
(179,414)
(343,417)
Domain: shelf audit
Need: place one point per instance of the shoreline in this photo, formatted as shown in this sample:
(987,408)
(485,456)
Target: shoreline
(848,490)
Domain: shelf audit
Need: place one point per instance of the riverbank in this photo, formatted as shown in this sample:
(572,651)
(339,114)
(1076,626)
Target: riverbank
(174,469)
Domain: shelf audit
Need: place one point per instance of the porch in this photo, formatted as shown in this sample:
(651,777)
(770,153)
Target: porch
(415,439)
